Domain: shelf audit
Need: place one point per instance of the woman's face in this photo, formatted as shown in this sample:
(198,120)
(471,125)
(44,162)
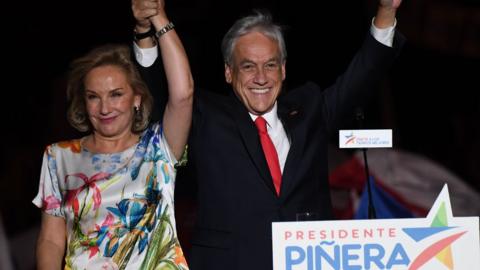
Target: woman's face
(110,101)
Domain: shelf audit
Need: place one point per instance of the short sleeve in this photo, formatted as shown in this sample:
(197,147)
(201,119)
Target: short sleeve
(164,145)
(49,197)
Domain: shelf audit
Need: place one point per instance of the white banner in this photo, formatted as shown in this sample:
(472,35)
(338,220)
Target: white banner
(437,242)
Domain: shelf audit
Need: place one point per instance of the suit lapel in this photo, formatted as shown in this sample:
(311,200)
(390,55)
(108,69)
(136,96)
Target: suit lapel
(291,116)
(249,135)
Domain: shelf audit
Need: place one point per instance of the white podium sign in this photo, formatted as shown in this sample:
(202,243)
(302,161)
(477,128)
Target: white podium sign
(437,242)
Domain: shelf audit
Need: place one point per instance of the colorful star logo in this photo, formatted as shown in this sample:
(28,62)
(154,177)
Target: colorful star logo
(441,249)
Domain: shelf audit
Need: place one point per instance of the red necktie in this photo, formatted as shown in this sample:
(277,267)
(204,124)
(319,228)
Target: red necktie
(270,153)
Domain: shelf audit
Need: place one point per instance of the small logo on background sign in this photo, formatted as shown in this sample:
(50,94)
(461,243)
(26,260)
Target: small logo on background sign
(365,138)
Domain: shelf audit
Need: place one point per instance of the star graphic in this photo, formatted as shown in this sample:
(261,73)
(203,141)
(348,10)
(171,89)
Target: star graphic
(441,249)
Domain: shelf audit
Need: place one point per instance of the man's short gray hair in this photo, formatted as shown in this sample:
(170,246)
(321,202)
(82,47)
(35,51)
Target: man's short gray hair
(258,22)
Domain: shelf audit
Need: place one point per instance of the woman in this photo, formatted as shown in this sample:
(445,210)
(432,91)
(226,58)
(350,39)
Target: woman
(107,198)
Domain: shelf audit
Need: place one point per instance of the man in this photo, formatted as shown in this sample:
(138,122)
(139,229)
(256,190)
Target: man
(242,186)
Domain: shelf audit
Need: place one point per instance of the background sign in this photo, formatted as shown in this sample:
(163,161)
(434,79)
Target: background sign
(365,138)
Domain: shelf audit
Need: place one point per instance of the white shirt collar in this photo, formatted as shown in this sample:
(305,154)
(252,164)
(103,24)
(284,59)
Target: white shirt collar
(271,117)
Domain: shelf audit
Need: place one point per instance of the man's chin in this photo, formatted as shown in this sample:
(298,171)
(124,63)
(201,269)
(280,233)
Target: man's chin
(261,110)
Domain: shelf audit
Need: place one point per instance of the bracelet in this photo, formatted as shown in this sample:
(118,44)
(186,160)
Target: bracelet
(165,29)
(139,36)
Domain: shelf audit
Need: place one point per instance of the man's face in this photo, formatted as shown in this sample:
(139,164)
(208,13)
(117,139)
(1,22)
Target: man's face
(257,72)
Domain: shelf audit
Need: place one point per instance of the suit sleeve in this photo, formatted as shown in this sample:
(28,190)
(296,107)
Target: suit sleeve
(355,86)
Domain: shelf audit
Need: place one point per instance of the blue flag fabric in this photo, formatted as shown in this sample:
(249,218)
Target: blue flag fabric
(385,205)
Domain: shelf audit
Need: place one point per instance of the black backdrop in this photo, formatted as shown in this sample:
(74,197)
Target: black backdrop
(431,98)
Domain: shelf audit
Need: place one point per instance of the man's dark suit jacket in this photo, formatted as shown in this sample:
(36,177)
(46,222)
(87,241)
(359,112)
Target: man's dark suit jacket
(237,202)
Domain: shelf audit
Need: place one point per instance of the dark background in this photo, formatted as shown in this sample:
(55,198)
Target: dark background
(430,99)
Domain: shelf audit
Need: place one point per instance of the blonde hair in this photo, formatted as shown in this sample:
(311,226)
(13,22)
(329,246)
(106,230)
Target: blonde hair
(114,55)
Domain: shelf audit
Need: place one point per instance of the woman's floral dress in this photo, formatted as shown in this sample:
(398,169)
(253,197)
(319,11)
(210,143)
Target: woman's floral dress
(118,208)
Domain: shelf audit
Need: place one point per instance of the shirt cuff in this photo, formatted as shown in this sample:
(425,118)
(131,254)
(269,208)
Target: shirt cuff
(383,35)
(145,56)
